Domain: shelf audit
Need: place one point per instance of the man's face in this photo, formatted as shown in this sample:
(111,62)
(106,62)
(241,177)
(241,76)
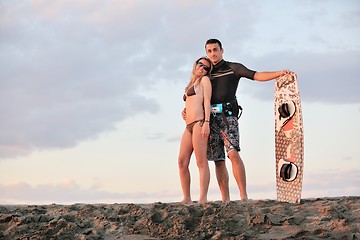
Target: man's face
(214,52)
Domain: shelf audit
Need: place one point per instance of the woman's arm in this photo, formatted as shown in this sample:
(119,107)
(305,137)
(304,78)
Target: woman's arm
(207,97)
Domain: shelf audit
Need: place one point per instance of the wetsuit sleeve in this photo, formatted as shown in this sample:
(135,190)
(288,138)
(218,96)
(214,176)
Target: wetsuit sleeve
(241,71)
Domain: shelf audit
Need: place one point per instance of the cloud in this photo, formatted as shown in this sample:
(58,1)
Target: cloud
(324,183)
(327,77)
(69,192)
(72,70)
(330,74)
(332,182)
(67,77)
(328,183)
(317,41)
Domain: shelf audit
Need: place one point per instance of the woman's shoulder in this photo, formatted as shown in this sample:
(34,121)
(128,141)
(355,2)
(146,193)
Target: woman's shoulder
(205,79)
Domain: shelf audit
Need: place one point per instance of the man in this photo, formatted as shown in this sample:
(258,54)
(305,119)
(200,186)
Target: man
(225,78)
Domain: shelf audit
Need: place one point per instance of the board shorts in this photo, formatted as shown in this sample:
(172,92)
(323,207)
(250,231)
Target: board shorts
(222,137)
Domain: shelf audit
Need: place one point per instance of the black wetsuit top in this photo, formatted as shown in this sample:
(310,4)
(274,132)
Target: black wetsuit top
(225,78)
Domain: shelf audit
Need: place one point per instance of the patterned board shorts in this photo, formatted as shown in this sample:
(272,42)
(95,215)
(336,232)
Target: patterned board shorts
(221,136)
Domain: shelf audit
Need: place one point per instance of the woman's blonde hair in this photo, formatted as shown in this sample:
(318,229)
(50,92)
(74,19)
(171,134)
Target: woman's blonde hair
(193,79)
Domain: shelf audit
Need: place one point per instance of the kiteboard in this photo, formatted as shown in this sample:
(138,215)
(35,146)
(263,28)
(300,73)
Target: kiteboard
(289,139)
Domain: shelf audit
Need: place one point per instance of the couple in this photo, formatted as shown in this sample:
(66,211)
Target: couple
(211,115)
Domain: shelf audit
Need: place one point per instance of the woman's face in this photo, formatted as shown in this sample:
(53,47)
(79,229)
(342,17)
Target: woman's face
(202,67)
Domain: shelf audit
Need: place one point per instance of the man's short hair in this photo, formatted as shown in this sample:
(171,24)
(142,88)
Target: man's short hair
(212,41)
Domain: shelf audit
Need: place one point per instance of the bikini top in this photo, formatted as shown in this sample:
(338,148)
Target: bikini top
(190,92)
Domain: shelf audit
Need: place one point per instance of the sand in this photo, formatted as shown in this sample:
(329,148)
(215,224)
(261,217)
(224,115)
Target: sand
(323,218)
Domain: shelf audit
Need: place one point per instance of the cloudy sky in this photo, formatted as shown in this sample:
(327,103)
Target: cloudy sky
(91,95)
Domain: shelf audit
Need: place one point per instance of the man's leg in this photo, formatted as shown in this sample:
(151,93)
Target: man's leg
(223,180)
(239,173)
(216,152)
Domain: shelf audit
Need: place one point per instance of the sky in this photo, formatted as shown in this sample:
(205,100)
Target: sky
(91,95)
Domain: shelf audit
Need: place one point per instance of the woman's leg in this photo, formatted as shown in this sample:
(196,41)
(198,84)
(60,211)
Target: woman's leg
(200,147)
(186,150)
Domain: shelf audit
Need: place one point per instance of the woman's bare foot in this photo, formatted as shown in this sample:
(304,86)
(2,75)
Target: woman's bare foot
(244,198)
(187,201)
(202,201)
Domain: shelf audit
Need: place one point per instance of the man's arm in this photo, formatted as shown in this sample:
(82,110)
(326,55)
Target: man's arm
(266,76)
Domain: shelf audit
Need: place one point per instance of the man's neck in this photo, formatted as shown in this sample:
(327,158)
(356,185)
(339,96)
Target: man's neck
(218,62)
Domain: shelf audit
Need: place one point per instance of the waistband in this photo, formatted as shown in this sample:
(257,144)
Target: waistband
(230,108)
(216,108)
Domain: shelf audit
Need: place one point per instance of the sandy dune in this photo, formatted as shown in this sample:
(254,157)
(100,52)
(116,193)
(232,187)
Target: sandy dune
(327,218)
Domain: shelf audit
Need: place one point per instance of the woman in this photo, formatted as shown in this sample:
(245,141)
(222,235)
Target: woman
(195,137)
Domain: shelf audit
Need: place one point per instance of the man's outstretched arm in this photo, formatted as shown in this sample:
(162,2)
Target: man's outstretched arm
(266,76)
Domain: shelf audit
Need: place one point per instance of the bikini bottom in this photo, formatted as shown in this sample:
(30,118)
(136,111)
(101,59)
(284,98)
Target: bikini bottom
(190,126)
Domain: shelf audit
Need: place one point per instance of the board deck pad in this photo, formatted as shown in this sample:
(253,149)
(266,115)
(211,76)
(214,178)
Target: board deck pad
(289,140)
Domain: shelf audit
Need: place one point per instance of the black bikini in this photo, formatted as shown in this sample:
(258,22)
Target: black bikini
(189,92)
(190,126)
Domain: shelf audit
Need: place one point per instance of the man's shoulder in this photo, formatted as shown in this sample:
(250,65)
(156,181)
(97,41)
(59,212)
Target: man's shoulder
(236,67)
(240,70)
(228,64)
(235,64)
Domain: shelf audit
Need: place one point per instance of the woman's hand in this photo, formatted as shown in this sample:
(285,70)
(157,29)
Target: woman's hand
(183,114)
(205,130)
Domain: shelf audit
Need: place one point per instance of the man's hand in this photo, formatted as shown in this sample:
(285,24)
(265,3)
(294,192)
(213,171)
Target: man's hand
(287,71)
